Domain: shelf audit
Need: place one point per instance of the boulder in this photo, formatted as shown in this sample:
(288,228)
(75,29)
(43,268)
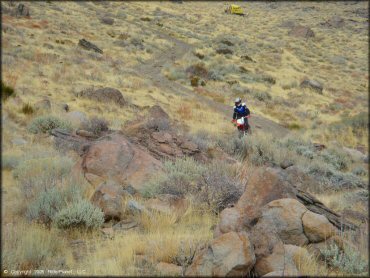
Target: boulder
(107,20)
(115,157)
(89,46)
(231,254)
(313,85)
(104,95)
(264,186)
(169,269)
(77,118)
(43,104)
(285,215)
(108,196)
(301,31)
(317,227)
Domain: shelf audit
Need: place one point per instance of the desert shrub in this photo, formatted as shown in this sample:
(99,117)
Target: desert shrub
(215,184)
(261,150)
(6,91)
(27,109)
(95,125)
(45,124)
(338,159)
(158,124)
(305,151)
(46,205)
(262,96)
(348,260)
(203,139)
(81,214)
(234,146)
(359,171)
(9,162)
(198,69)
(29,246)
(36,174)
(175,74)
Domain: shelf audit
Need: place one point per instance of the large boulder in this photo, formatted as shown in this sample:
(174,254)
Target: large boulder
(115,157)
(264,186)
(231,254)
(104,95)
(109,196)
(317,227)
(285,216)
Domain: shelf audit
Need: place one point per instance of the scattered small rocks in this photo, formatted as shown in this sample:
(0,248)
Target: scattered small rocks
(286,164)
(89,46)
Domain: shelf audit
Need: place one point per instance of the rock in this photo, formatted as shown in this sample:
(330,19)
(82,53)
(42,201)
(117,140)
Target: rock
(19,141)
(89,46)
(77,118)
(229,220)
(285,215)
(135,208)
(86,134)
(21,11)
(313,85)
(115,157)
(286,163)
(108,196)
(224,51)
(167,203)
(334,22)
(264,186)
(104,95)
(231,254)
(65,107)
(169,269)
(317,227)
(107,20)
(111,33)
(301,31)
(43,104)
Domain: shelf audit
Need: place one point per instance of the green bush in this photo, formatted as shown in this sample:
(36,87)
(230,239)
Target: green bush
(359,171)
(45,124)
(6,91)
(262,96)
(348,260)
(81,214)
(95,125)
(338,159)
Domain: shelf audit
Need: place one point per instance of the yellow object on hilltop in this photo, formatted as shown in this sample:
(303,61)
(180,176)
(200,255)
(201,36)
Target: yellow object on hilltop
(234,9)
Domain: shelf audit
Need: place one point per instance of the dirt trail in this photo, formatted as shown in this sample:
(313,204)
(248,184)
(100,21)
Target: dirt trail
(152,70)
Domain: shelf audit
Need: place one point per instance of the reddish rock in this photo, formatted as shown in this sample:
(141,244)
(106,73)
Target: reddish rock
(317,227)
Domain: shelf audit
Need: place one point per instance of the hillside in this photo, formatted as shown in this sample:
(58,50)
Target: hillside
(120,158)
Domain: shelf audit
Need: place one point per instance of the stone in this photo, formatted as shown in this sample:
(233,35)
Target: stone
(301,31)
(317,227)
(104,95)
(230,254)
(107,20)
(89,46)
(286,163)
(109,196)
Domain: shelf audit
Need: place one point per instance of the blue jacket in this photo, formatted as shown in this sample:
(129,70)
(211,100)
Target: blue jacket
(240,111)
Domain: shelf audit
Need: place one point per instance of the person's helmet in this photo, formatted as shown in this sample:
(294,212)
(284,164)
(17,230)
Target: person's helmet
(238,101)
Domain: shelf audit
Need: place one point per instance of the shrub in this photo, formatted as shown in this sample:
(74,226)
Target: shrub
(38,174)
(6,91)
(27,109)
(198,69)
(158,124)
(81,214)
(175,74)
(9,162)
(45,124)
(348,260)
(95,125)
(262,96)
(338,159)
(359,171)
(46,205)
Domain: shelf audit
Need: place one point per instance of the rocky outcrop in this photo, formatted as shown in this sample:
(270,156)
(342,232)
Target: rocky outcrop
(317,227)
(104,95)
(228,255)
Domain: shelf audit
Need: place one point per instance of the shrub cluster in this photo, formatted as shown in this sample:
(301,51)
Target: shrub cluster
(6,91)
(95,125)
(45,124)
